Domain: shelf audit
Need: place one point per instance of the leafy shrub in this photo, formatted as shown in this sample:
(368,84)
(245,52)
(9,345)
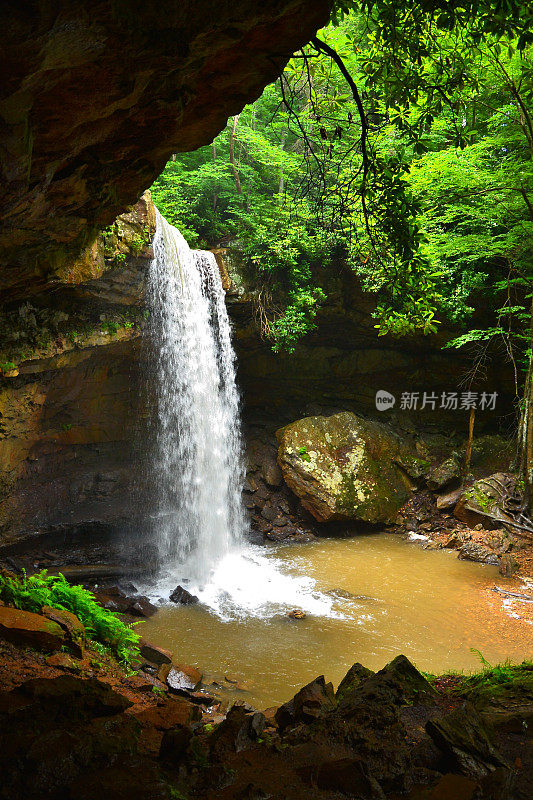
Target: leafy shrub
(34,592)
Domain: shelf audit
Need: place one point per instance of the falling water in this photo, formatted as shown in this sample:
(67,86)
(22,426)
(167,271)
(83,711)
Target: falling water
(197,462)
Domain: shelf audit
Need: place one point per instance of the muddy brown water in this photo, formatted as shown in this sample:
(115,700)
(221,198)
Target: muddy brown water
(389,596)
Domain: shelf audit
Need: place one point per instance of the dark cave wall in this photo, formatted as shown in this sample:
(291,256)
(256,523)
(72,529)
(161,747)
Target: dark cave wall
(95,96)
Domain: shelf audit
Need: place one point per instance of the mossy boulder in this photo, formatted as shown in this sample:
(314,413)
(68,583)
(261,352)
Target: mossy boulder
(26,629)
(344,467)
(482,503)
(355,676)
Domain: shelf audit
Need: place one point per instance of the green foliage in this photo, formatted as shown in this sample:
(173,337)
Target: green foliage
(428,198)
(304,455)
(119,259)
(110,327)
(139,241)
(500,683)
(34,592)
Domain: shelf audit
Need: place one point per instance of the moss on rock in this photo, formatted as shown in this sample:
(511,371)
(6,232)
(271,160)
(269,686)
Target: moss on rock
(344,467)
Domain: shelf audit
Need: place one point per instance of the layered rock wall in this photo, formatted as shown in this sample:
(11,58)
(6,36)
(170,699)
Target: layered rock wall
(72,403)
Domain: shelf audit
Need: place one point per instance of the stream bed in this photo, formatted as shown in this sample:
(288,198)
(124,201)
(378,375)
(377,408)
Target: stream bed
(367,599)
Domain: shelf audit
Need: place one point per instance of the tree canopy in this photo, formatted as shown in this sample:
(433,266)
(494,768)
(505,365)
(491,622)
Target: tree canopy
(398,143)
(400,139)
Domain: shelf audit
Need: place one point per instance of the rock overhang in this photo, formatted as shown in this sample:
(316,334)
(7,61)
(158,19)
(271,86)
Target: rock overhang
(96,96)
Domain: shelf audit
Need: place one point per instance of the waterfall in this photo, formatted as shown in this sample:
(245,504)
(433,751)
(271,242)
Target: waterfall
(196,464)
(195,458)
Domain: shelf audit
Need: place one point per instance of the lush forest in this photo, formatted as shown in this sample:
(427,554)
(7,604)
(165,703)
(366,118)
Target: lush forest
(413,167)
(399,143)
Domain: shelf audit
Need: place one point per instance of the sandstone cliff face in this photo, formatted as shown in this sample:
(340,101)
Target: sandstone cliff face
(95,96)
(343,363)
(71,398)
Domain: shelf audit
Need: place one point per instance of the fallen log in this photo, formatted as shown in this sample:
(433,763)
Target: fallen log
(516,595)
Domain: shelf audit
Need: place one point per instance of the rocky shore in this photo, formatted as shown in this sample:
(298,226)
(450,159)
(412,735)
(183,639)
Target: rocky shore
(77,724)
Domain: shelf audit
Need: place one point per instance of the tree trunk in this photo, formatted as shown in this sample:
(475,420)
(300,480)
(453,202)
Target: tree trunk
(468,456)
(215,195)
(281,187)
(232,153)
(525,431)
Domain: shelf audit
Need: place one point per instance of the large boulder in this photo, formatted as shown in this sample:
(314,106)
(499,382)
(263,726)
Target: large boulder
(73,628)
(307,705)
(344,467)
(466,741)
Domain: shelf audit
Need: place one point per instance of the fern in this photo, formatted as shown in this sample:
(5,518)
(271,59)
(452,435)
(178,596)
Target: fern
(34,592)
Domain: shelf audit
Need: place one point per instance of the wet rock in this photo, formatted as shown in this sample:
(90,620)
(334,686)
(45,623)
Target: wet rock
(271,473)
(181,595)
(481,503)
(76,697)
(432,545)
(236,684)
(261,525)
(296,613)
(473,551)
(445,473)
(143,683)
(453,541)
(30,630)
(269,512)
(307,704)
(365,726)
(162,673)
(141,607)
(203,698)
(270,716)
(157,655)
(344,594)
(116,599)
(184,678)
(63,661)
(237,732)
(168,714)
(279,534)
(344,467)
(508,565)
(464,739)
(398,683)
(449,499)
(72,626)
(355,676)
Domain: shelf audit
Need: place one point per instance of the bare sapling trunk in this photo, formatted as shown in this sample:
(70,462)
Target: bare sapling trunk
(470,441)
(234,169)
(525,430)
